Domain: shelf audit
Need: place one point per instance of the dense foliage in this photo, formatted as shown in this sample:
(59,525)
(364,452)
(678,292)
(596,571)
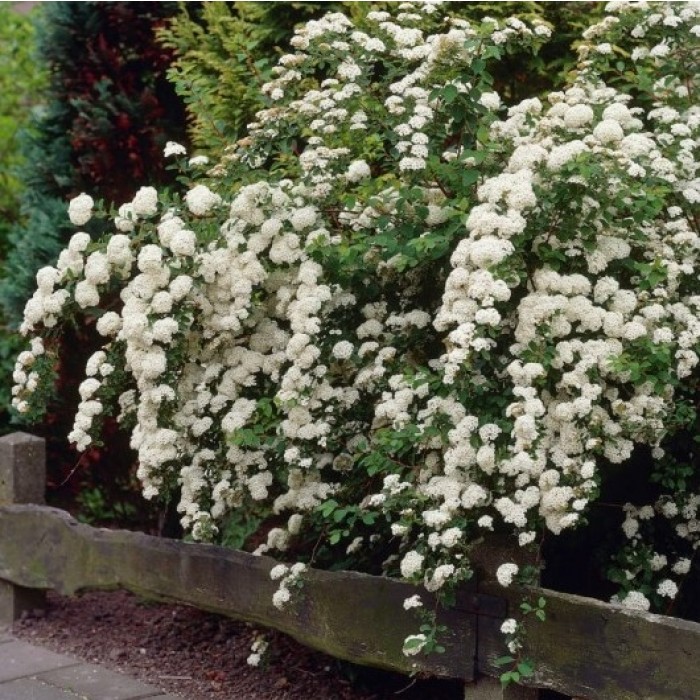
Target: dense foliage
(406,317)
(225,52)
(20,82)
(102,124)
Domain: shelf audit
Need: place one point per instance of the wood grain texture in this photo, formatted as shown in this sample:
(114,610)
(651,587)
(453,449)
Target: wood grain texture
(598,651)
(349,615)
(585,648)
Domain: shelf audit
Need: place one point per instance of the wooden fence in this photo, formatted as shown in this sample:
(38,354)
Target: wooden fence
(586,648)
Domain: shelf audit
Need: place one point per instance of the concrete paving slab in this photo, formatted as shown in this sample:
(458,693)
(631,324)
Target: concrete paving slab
(32,689)
(19,659)
(95,683)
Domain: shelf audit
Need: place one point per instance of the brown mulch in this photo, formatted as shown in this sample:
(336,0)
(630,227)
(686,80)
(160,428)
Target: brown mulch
(200,656)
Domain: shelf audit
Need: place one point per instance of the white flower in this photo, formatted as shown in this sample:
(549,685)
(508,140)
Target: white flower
(505,573)
(109,323)
(620,113)
(509,626)
(197,161)
(525,538)
(145,202)
(413,602)
(681,567)
(658,562)
(343,350)
(281,597)
(162,302)
(485,522)
(450,537)
(183,242)
(180,287)
(150,258)
(667,588)
(357,170)
(80,209)
(78,242)
(172,148)
(355,545)
(298,569)
(490,100)
(609,131)
(578,116)
(411,564)
(97,268)
(119,250)
(635,600)
(660,50)
(439,577)
(86,294)
(46,278)
(201,200)
(294,523)
(125,219)
(278,571)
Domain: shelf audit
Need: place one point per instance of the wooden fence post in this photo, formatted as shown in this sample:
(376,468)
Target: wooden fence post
(22,480)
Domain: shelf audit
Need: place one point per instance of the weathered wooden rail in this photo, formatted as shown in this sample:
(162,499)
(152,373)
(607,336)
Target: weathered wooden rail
(586,648)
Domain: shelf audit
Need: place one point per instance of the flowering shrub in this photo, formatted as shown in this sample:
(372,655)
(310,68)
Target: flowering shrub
(403,315)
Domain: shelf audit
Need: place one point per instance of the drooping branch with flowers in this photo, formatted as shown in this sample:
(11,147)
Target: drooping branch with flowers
(403,315)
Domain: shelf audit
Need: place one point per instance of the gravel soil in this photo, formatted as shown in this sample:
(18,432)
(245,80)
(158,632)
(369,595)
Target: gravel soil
(200,656)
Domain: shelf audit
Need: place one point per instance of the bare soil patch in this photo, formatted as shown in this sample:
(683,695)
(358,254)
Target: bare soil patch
(200,656)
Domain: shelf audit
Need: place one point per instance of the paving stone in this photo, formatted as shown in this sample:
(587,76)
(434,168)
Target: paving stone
(31,689)
(19,659)
(96,683)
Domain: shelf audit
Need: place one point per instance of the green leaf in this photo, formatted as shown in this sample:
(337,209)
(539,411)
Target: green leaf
(328,507)
(339,514)
(469,177)
(503,660)
(525,669)
(449,94)
(413,643)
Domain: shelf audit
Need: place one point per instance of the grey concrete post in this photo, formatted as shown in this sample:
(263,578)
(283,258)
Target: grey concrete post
(486,688)
(22,480)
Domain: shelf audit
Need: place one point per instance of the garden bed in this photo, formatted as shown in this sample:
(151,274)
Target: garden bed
(201,656)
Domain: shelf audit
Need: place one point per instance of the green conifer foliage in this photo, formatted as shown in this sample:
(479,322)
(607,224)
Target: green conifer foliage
(20,81)
(107,114)
(104,119)
(226,50)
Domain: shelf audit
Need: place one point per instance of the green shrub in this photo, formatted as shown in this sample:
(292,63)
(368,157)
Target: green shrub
(404,315)
(225,52)
(107,113)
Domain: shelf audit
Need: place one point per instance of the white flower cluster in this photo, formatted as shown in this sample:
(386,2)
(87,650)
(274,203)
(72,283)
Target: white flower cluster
(80,209)
(345,326)
(288,576)
(257,650)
